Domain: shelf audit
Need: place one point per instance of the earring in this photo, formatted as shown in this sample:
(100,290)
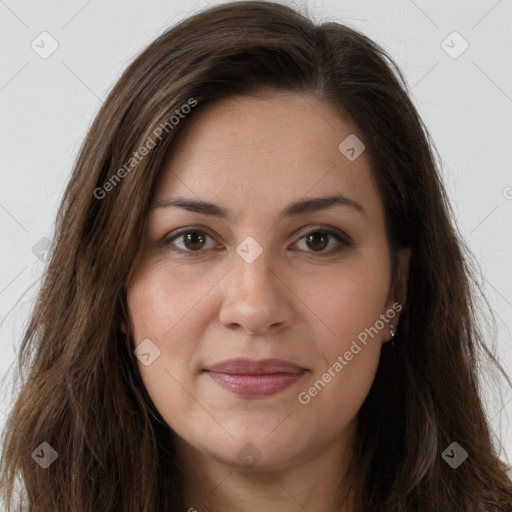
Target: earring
(392,332)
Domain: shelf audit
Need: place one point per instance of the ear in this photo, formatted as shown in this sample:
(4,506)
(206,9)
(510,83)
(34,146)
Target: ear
(398,290)
(124,330)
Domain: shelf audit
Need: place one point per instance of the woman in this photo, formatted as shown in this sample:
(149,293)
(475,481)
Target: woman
(256,298)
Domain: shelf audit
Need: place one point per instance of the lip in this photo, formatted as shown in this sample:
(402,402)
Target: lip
(252,378)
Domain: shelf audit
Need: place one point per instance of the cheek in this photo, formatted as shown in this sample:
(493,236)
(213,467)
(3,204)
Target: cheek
(330,401)
(165,307)
(349,337)
(349,302)
(160,297)
(348,361)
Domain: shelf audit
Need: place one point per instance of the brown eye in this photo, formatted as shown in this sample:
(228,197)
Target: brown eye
(319,239)
(192,241)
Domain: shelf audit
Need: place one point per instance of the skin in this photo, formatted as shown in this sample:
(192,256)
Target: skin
(298,301)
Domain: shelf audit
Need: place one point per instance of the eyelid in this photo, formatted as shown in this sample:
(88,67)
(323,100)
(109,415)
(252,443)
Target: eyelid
(342,238)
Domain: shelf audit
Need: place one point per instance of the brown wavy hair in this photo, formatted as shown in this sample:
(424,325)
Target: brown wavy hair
(81,391)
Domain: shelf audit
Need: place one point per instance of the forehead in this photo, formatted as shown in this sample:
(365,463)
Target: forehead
(262,152)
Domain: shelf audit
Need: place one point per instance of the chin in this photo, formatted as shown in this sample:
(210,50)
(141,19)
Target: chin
(258,452)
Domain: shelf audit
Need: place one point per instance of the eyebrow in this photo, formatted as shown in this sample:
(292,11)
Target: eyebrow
(296,208)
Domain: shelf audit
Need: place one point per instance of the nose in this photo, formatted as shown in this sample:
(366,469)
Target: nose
(256,296)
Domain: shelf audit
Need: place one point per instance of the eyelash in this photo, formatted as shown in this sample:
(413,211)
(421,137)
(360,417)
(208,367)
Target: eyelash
(344,241)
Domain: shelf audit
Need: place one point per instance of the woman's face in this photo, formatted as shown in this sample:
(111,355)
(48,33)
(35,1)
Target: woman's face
(263,274)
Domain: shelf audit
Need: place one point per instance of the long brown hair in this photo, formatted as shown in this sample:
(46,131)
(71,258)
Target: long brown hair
(82,393)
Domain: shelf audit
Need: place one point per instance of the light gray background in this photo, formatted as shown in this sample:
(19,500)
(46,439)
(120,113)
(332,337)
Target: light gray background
(47,105)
